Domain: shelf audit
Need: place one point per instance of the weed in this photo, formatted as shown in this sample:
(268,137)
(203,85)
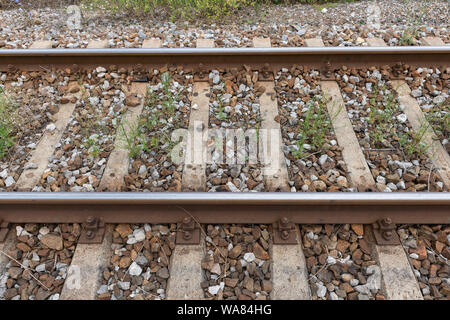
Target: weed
(313,128)
(148,134)
(409,35)
(93,146)
(382,128)
(134,139)
(439,122)
(380,118)
(7,112)
(221,115)
(91,125)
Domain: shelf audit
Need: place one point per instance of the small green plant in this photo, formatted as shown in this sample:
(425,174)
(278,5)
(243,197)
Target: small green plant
(170,98)
(409,35)
(314,127)
(148,134)
(380,117)
(7,112)
(412,142)
(134,139)
(93,147)
(440,122)
(221,115)
(382,126)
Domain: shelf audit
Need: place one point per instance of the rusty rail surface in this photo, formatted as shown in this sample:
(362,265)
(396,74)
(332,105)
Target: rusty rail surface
(206,207)
(317,57)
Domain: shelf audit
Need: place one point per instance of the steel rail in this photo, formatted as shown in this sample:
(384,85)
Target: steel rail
(226,207)
(224,51)
(36,59)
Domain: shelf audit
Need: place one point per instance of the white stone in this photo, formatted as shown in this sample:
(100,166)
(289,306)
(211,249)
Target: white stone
(354,282)
(323,158)
(44,230)
(142,170)
(4,174)
(439,99)
(414,256)
(426,291)
(381,179)
(135,269)
(100,69)
(331,260)
(334,296)
(232,187)
(139,235)
(391,186)
(102,289)
(363,289)
(123,285)
(50,127)
(9,182)
(401,185)
(131,240)
(416,93)
(215,289)
(249,257)
(321,291)
(35,257)
(40,268)
(402,118)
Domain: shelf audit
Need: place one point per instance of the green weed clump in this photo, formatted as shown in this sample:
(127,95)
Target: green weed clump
(381,119)
(313,128)
(148,134)
(7,112)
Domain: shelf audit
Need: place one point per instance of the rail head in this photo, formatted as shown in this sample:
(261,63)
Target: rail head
(208,198)
(226,51)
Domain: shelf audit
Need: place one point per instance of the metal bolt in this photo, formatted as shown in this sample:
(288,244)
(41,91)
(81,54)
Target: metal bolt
(285,235)
(90,220)
(201,71)
(284,221)
(187,220)
(328,69)
(187,235)
(90,234)
(387,235)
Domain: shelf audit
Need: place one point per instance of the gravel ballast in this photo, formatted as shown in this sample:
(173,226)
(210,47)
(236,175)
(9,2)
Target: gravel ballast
(394,153)
(237,262)
(139,266)
(34,99)
(39,262)
(339,24)
(340,263)
(314,159)
(428,250)
(234,109)
(167,108)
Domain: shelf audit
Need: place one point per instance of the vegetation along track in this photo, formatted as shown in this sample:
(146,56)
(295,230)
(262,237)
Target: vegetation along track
(340,128)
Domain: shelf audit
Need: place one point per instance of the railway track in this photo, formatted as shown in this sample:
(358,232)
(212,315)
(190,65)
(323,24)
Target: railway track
(237,245)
